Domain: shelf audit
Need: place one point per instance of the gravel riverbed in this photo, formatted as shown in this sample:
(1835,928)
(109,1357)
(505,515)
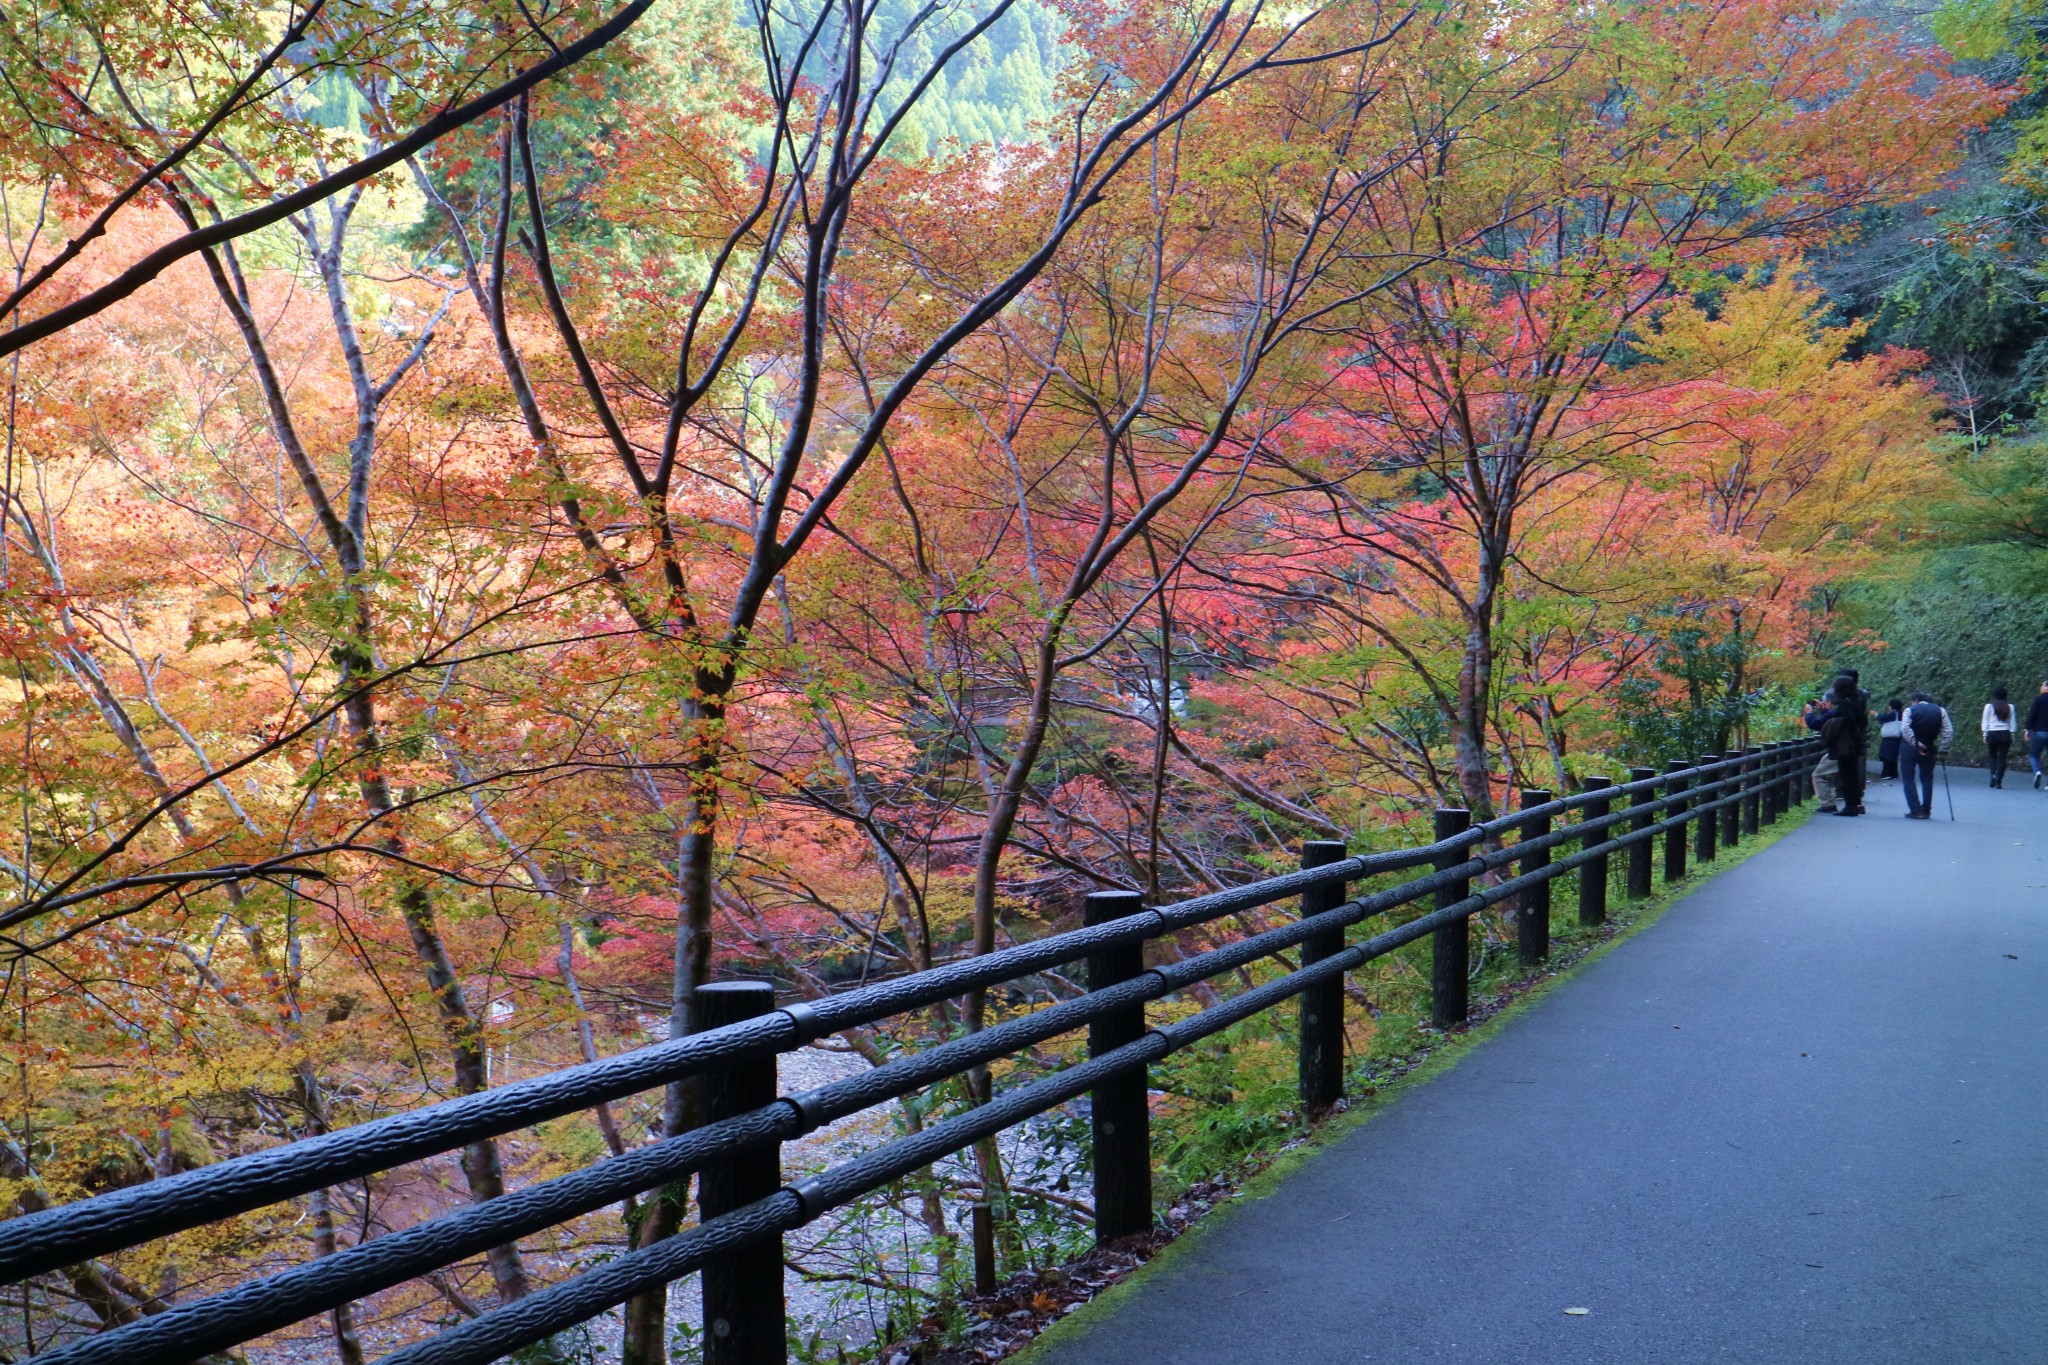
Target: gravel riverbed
(839,1303)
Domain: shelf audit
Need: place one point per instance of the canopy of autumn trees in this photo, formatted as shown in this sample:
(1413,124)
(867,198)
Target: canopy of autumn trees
(512,510)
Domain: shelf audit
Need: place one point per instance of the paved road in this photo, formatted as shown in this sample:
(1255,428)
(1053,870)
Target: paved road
(1802,1118)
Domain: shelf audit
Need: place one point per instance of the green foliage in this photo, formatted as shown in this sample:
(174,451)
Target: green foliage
(1694,700)
(1969,295)
(1960,277)
(1954,622)
(1983,29)
(1233,1097)
(574,1140)
(1955,611)
(2002,498)
(1958,613)
(1000,89)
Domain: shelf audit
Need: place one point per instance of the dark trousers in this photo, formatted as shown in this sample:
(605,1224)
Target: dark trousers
(1855,772)
(1915,765)
(1888,756)
(2036,746)
(1999,743)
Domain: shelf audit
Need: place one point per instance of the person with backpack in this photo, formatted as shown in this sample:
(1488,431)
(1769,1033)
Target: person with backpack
(2000,721)
(2037,730)
(1891,723)
(1929,732)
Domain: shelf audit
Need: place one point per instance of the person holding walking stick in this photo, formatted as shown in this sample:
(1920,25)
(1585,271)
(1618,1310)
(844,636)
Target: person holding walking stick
(1929,732)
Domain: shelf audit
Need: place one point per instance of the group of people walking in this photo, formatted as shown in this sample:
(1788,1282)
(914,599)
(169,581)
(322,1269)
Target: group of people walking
(1912,737)
(2003,728)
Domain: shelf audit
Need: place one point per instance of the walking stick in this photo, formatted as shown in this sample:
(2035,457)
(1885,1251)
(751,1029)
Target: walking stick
(1947,789)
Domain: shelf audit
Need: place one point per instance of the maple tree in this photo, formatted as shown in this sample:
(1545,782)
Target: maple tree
(499,532)
(1487,390)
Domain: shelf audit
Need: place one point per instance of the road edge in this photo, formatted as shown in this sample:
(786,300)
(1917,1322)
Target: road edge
(1361,1110)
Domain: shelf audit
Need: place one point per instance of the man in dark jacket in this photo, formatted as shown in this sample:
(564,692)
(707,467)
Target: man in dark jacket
(1850,744)
(1818,717)
(2037,730)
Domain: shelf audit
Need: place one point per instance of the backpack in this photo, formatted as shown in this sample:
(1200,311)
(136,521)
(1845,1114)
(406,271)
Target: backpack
(1924,718)
(1837,739)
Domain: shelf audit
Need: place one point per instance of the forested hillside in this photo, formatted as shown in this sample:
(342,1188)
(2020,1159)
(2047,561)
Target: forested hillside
(1003,89)
(514,512)
(1953,607)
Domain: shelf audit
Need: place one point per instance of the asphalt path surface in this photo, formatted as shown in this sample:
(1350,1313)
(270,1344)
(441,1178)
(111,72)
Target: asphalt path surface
(1801,1118)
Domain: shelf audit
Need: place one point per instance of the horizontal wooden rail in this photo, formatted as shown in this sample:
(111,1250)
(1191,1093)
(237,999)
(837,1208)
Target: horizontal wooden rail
(1728,795)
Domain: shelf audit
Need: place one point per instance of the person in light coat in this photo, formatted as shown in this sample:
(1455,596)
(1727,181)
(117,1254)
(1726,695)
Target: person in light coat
(1889,724)
(2001,724)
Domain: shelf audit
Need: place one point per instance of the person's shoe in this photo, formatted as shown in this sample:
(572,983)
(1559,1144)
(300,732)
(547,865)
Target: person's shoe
(2037,781)
(1823,810)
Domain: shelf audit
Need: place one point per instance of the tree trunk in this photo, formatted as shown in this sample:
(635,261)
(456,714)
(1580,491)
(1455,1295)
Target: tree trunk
(1475,691)
(646,1322)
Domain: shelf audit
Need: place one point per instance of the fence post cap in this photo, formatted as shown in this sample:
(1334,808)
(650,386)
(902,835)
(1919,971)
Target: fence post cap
(1102,906)
(737,989)
(719,1003)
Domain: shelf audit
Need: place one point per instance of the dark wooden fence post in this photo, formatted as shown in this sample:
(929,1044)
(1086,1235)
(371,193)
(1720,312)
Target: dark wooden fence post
(1640,853)
(1731,813)
(744,1321)
(1798,775)
(1451,945)
(1674,837)
(983,1227)
(1752,793)
(1118,1109)
(1532,910)
(1773,781)
(1593,872)
(1708,821)
(1322,1005)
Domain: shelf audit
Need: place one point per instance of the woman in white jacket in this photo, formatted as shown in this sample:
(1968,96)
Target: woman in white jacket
(2001,722)
(1891,724)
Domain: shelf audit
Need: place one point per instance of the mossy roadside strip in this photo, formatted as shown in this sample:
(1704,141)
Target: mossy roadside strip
(1368,1098)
